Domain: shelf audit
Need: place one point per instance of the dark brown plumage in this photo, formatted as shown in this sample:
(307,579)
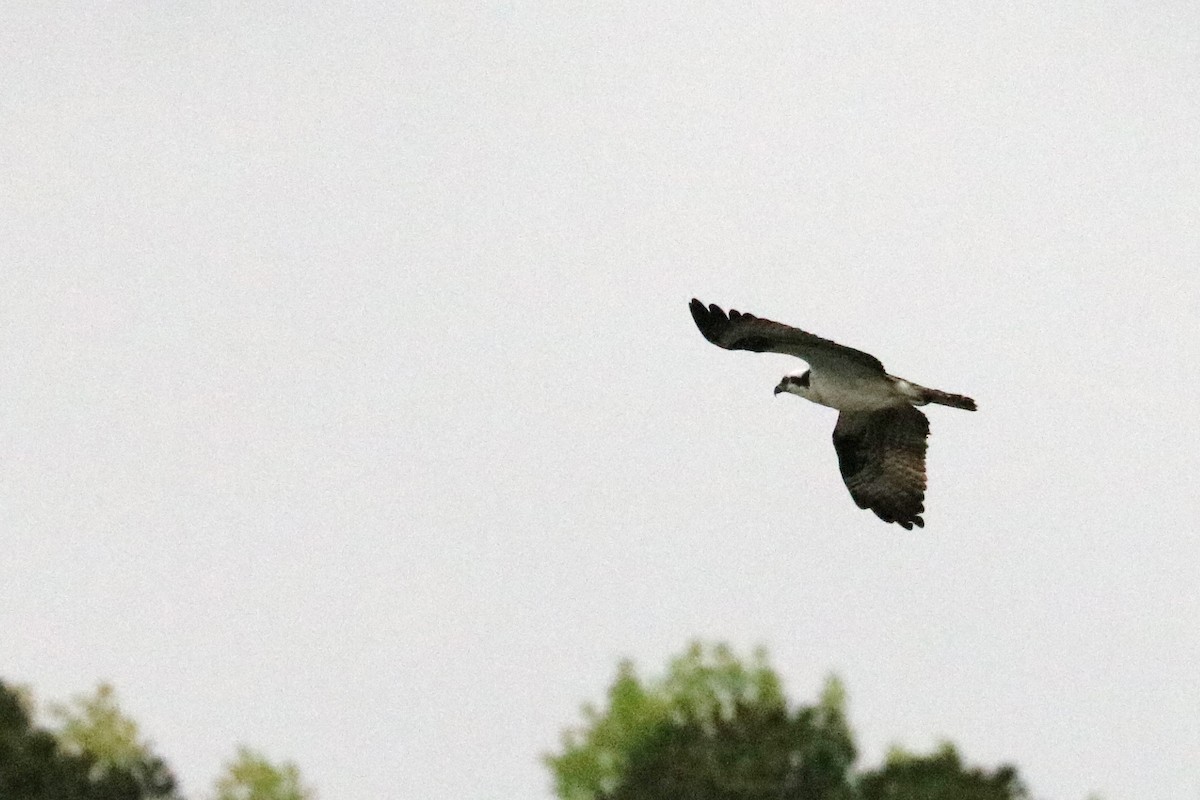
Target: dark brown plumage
(881,455)
(738,331)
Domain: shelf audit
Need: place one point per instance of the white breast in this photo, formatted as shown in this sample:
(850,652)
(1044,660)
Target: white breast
(853,392)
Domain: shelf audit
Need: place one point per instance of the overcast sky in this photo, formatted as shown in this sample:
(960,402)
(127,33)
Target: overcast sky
(350,406)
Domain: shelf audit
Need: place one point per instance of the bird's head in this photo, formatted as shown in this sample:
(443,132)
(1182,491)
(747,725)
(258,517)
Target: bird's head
(794,383)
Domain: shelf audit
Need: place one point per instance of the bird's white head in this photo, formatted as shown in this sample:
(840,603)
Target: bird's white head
(796,383)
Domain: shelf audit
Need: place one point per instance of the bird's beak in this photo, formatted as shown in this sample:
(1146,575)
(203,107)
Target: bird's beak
(779,388)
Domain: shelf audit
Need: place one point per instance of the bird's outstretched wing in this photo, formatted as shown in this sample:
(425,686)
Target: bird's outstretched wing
(738,331)
(882,458)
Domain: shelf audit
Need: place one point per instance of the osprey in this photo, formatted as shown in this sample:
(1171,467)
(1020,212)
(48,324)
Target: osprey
(879,436)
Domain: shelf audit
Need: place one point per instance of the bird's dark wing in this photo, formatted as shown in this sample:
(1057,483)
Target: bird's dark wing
(738,331)
(882,458)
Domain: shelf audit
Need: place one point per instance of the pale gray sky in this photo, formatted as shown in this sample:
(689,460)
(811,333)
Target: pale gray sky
(350,406)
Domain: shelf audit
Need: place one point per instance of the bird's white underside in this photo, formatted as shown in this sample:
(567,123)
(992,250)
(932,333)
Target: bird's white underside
(855,392)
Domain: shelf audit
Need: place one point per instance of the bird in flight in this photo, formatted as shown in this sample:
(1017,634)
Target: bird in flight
(879,436)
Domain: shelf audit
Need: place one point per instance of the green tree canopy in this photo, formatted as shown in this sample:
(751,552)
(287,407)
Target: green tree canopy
(97,753)
(712,727)
(939,776)
(35,764)
(94,727)
(251,776)
(715,728)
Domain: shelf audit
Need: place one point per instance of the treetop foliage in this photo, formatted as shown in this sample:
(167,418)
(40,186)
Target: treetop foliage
(93,724)
(716,728)
(939,776)
(97,753)
(707,695)
(251,776)
(40,764)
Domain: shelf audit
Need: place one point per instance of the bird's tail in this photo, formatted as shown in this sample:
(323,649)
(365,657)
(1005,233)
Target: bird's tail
(948,399)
